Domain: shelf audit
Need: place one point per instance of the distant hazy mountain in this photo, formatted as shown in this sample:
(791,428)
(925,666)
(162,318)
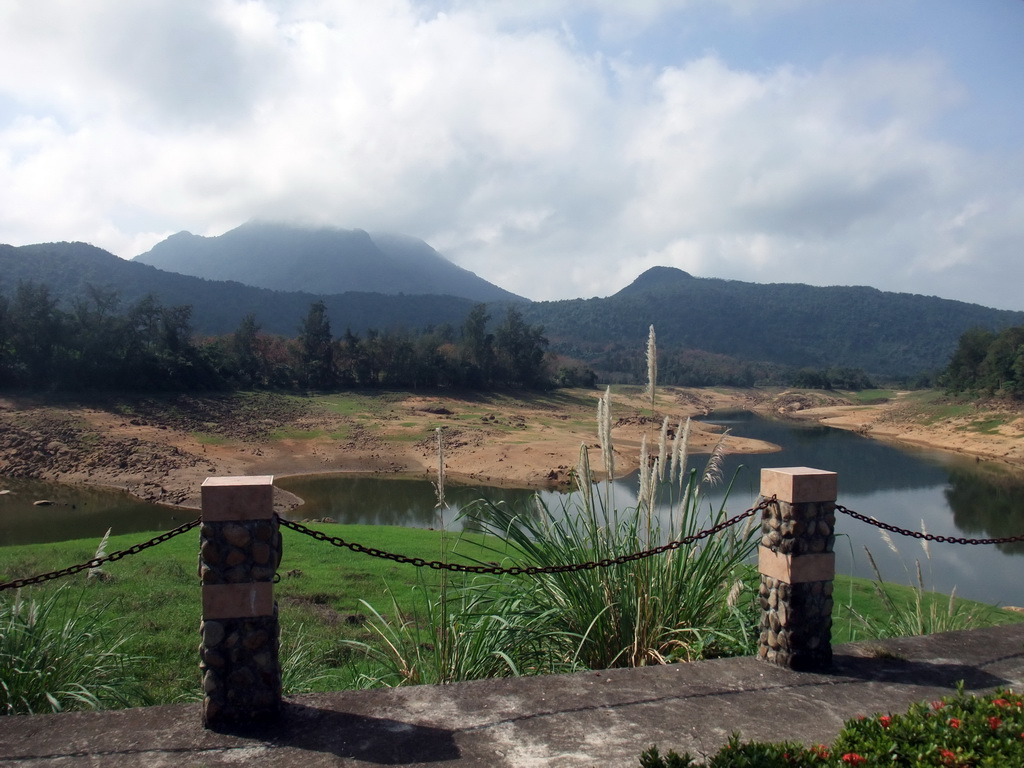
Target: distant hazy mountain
(217,306)
(322,261)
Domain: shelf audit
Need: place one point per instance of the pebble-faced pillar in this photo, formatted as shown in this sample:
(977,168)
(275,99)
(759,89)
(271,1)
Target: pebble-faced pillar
(240,549)
(797,566)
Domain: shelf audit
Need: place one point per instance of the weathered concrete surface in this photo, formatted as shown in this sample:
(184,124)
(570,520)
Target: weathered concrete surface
(588,719)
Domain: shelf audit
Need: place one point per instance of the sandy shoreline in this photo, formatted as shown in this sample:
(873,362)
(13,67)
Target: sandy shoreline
(161,449)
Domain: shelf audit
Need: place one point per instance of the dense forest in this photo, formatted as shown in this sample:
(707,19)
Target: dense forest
(890,335)
(710,331)
(98,345)
(988,363)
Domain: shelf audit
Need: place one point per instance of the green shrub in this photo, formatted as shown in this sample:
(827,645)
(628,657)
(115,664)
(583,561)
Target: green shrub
(57,654)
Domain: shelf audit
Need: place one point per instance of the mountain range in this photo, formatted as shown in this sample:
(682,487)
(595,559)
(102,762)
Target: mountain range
(276,272)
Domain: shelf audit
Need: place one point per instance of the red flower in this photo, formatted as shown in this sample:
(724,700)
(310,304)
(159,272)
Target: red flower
(853,759)
(821,751)
(885,720)
(994,722)
(1001,702)
(948,757)
(936,705)
(954,722)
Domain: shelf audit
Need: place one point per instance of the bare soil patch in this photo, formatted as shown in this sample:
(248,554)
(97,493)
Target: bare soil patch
(162,448)
(988,429)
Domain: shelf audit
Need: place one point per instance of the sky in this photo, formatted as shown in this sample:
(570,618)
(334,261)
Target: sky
(557,148)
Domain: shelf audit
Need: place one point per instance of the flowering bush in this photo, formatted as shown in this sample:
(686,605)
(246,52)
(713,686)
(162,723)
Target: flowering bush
(957,732)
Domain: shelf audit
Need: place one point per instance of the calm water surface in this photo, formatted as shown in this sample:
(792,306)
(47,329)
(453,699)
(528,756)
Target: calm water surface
(76,512)
(946,493)
(952,495)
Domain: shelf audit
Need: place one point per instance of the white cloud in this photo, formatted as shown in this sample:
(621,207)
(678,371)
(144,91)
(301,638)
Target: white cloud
(548,166)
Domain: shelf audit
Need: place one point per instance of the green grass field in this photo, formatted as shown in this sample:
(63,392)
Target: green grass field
(156,594)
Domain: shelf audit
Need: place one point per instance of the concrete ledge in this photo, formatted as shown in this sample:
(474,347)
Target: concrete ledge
(592,718)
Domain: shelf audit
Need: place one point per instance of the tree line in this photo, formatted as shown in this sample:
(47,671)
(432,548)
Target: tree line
(97,344)
(987,363)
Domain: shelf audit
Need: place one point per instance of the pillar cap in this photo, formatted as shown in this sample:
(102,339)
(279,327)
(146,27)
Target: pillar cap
(799,485)
(238,498)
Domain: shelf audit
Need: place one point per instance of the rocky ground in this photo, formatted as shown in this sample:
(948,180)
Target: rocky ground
(162,448)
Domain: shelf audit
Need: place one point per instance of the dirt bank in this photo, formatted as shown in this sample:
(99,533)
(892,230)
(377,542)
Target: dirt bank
(992,430)
(162,448)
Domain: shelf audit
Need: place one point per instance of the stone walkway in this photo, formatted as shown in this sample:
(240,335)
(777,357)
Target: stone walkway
(587,719)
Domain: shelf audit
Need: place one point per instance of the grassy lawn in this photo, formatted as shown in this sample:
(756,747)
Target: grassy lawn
(156,593)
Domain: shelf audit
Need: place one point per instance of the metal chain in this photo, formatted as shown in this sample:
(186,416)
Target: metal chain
(437,565)
(532,570)
(96,562)
(924,536)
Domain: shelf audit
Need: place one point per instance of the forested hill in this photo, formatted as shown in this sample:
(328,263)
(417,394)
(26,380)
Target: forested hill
(68,269)
(894,334)
(321,260)
(801,326)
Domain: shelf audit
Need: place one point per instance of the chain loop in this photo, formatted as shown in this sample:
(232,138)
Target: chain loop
(96,562)
(924,536)
(532,570)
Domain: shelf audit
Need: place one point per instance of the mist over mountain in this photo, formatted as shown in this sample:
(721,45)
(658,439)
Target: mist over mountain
(321,260)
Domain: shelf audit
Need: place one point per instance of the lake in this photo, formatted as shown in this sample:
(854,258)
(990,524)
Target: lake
(953,495)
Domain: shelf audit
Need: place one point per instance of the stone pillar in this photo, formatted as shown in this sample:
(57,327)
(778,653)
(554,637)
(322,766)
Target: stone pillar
(797,567)
(240,549)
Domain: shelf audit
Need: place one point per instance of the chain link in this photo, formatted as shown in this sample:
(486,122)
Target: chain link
(96,562)
(532,570)
(924,536)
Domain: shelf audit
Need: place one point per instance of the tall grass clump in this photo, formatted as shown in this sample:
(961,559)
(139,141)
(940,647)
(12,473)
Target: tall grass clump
(925,613)
(459,635)
(57,654)
(681,604)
